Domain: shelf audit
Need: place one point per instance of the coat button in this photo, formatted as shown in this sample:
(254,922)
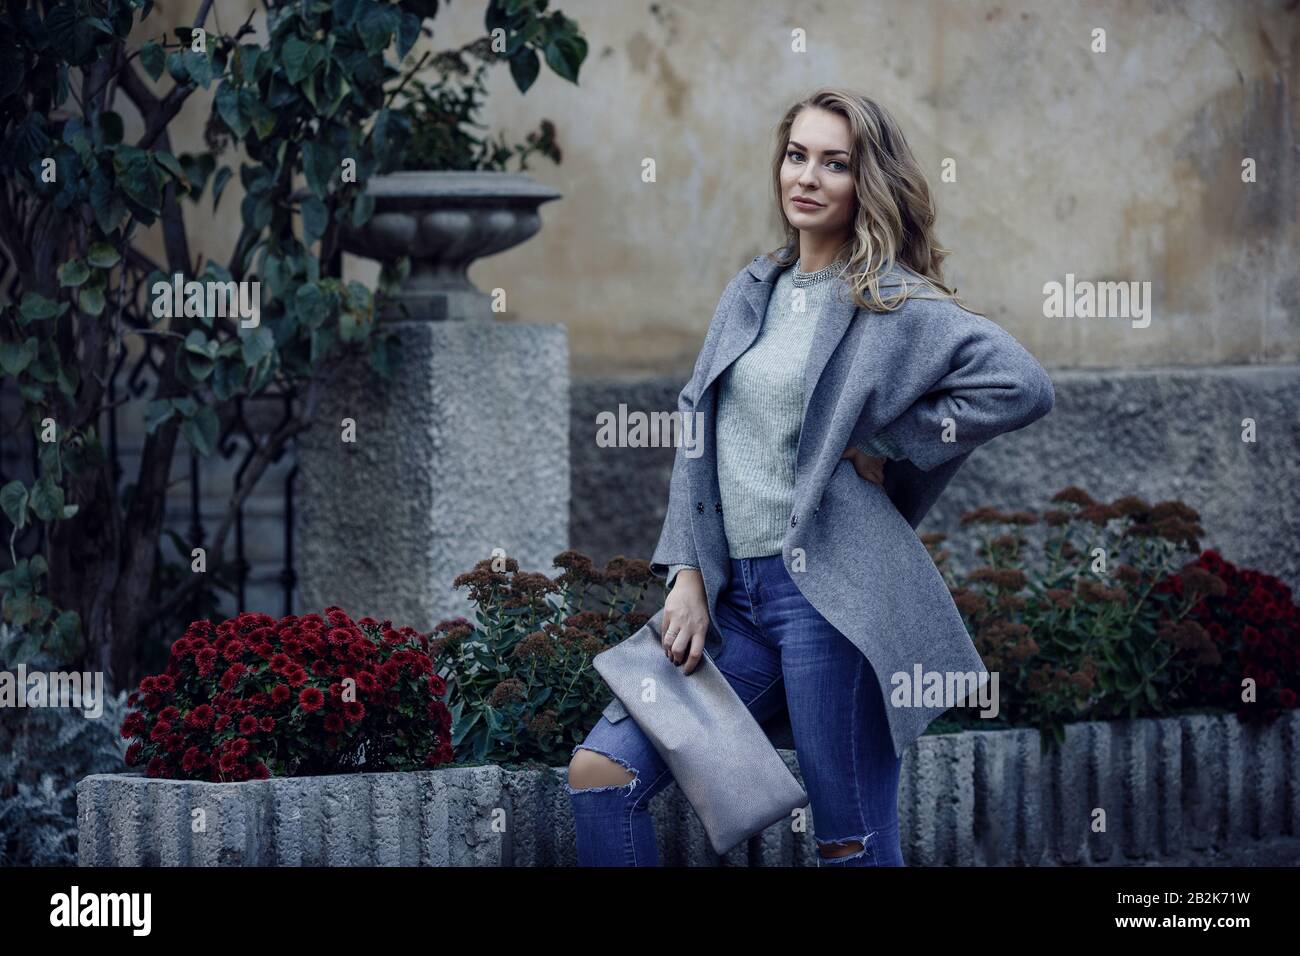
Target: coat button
(699,506)
(794,520)
(717,506)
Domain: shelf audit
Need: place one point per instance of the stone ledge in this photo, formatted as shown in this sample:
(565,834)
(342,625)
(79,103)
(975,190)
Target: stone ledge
(1170,787)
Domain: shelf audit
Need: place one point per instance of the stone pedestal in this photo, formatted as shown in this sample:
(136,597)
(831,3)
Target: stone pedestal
(465,451)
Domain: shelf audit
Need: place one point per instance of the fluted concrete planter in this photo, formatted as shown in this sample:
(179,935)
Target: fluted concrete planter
(467,450)
(1168,787)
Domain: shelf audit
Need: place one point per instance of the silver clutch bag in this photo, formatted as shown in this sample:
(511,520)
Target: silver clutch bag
(717,752)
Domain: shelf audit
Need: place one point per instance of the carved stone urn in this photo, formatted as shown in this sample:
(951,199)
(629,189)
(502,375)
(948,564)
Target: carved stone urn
(444,221)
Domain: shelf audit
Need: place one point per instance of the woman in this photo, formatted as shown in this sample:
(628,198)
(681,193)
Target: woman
(858,218)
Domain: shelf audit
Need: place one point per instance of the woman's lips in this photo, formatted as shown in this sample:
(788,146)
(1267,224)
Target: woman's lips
(806,204)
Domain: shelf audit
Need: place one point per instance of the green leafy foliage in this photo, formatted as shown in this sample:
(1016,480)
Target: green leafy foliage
(309,100)
(435,126)
(44,751)
(1083,612)
(522,687)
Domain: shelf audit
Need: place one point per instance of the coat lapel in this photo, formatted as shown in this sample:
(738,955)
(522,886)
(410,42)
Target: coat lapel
(744,322)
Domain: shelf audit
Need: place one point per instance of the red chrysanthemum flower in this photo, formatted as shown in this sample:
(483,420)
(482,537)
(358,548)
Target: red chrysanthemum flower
(200,717)
(311,699)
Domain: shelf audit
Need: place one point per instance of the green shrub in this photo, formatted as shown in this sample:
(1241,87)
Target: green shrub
(520,682)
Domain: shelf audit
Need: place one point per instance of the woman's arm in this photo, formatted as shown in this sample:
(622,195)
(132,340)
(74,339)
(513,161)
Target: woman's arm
(672,573)
(994,385)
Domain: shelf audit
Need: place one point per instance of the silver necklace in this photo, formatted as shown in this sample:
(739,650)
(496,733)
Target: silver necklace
(812,278)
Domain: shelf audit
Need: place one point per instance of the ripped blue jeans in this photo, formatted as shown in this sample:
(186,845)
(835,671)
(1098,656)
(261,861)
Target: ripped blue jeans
(777,649)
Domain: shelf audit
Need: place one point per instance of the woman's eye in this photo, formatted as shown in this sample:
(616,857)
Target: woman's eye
(794,156)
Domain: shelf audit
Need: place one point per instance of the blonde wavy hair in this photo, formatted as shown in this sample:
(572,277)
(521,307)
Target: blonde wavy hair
(894,218)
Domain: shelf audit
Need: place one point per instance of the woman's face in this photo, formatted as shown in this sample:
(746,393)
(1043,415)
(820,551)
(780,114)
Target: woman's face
(816,167)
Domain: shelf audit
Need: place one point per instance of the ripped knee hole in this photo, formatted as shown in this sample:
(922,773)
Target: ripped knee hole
(840,848)
(601,766)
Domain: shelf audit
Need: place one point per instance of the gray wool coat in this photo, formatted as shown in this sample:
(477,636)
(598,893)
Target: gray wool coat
(936,382)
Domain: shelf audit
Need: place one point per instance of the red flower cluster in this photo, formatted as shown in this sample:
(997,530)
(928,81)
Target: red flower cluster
(253,697)
(1256,626)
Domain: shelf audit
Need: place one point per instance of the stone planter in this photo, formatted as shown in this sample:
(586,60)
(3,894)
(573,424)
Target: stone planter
(444,221)
(467,450)
(1167,786)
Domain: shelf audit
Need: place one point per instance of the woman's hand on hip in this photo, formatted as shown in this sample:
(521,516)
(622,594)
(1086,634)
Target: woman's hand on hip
(867,466)
(686,619)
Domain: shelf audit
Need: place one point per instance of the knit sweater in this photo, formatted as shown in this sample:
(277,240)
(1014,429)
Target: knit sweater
(759,419)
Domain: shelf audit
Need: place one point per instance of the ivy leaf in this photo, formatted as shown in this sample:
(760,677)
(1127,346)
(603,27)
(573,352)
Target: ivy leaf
(300,58)
(36,306)
(200,344)
(565,54)
(377,26)
(252,107)
(73,273)
(524,67)
(227,377)
(60,25)
(316,167)
(47,499)
(169,162)
(14,357)
(103,255)
(315,219)
(229,111)
(13,498)
(105,201)
(309,303)
(362,209)
(201,430)
(198,66)
(91,300)
(176,67)
(67,379)
(158,411)
(258,344)
(153,58)
(138,177)
(256,211)
(408,31)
